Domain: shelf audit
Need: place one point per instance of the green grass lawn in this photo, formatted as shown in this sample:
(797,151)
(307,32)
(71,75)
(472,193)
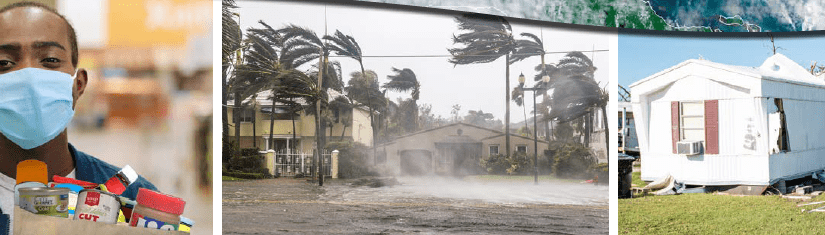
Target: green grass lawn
(718,214)
(637,179)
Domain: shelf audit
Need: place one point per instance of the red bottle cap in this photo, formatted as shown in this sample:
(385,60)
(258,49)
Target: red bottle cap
(160,201)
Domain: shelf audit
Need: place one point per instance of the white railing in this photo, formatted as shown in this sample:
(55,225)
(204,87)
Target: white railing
(289,163)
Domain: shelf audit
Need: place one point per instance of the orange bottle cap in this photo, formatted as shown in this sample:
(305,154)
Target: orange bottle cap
(32,171)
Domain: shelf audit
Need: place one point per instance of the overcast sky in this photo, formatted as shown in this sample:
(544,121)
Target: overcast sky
(392,32)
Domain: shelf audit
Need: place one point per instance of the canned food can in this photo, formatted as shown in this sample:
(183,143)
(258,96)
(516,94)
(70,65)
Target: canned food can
(45,201)
(98,206)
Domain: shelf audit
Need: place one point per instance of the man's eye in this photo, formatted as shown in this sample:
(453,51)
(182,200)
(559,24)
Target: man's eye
(6,64)
(51,60)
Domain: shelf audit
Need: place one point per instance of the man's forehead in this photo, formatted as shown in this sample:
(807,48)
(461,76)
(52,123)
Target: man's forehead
(25,25)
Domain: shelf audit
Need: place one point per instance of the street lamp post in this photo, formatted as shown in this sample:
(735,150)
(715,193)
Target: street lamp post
(544,80)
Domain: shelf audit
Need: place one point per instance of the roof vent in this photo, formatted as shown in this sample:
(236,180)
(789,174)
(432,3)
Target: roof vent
(775,67)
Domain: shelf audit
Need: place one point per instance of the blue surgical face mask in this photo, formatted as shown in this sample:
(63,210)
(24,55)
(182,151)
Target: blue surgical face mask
(35,105)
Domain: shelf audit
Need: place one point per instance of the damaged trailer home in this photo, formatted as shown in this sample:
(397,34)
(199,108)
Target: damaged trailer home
(713,124)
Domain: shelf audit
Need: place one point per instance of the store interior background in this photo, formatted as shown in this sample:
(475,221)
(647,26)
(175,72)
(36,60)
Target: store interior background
(149,99)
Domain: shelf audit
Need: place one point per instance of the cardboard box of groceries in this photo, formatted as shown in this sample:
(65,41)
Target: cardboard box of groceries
(26,223)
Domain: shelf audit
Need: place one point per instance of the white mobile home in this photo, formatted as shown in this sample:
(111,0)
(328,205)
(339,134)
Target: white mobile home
(708,123)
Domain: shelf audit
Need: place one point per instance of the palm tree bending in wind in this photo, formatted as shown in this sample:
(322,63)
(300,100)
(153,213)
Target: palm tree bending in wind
(486,39)
(404,80)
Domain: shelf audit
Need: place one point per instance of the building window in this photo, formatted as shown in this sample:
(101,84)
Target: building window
(247,115)
(493,150)
(521,148)
(281,113)
(692,121)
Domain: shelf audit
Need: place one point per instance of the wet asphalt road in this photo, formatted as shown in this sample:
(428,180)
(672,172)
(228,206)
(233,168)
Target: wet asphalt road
(294,206)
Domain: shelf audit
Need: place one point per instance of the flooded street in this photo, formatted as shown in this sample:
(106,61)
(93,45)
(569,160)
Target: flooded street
(417,205)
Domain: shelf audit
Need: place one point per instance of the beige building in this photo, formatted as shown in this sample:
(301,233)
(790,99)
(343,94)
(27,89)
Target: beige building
(352,124)
(451,149)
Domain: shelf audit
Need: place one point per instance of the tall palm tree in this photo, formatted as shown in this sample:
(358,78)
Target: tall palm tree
(343,105)
(231,40)
(345,45)
(487,39)
(404,80)
(301,46)
(575,90)
(363,89)
(531,47)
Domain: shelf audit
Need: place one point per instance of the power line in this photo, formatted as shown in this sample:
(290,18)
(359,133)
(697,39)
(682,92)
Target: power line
(446,56)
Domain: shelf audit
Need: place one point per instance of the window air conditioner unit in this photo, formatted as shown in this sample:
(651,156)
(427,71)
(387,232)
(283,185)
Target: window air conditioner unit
(689,147)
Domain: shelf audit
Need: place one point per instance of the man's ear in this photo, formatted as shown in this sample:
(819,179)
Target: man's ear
(79,86)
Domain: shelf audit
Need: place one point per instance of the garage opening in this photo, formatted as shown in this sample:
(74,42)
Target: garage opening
(416,162)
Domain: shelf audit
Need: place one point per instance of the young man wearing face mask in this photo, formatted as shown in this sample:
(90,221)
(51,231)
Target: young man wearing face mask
(39,87)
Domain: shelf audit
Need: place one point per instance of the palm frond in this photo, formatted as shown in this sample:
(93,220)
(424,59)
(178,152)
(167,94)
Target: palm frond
(488,38)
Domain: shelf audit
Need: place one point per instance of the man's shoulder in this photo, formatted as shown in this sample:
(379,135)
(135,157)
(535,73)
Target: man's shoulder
(92,169)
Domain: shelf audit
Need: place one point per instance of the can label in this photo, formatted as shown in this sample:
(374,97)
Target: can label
(52,205)
(97,207)
(141,221)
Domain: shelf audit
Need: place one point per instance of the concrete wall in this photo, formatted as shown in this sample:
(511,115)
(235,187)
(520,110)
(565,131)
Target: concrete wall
(425,140)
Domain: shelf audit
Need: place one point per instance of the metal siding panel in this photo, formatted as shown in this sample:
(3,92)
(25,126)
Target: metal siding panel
(712,126)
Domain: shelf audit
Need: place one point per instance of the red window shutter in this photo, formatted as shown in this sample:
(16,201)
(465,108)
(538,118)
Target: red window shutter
(712,127)
(674,120)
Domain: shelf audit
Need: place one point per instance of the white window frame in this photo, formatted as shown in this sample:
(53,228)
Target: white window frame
(682,117)
(521,145)
(490,149)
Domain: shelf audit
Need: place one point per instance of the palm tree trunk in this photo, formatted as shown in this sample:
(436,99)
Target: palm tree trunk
(292,116)
(318,131)
(343,130)
(272,122)
(224,117)
(524,110)
(254,127)
(546,123)
(588,127)
(372,121)
(606,133)
(507,101)
(237,116)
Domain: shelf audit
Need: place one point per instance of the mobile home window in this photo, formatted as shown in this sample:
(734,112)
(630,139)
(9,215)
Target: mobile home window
(493,150)
(692,120)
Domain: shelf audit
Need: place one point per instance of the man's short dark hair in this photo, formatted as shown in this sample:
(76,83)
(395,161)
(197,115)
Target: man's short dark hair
(72,34)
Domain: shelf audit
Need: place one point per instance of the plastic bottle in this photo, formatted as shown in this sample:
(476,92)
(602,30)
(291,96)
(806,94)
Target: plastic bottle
(157,210)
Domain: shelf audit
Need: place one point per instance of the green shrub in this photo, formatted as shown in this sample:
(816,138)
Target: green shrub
(495,164)
(518,164)
(244,175)
(572,160)
(601,170)
(246,163)
(250,152)
(228,151)
(352,159)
